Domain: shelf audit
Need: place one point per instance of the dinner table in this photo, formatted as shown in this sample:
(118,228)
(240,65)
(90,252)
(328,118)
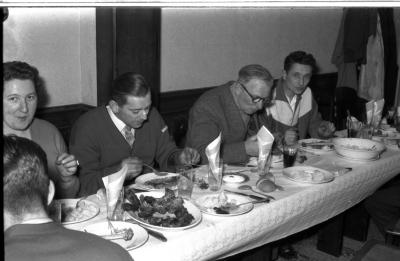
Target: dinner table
(297,207)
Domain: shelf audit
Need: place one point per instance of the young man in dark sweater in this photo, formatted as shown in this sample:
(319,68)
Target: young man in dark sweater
(126,131)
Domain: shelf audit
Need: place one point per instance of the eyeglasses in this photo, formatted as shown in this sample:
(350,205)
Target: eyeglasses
(254,99)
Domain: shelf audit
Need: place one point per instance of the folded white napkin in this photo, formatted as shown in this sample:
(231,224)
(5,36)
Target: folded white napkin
(265,140)
(212,153)
(377,115)
(113,184)
(355,124)
(369,108)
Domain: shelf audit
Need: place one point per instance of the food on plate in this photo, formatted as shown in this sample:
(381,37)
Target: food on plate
(219,204)
(167,211)
(312,175)
(357,147)
(301,158)
(318,145)
(203,184)
(160,183)
(128,233)
(82,212)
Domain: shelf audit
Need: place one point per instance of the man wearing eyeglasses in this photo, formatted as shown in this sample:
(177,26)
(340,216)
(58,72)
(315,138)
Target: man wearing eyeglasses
(227,109)
(294,113)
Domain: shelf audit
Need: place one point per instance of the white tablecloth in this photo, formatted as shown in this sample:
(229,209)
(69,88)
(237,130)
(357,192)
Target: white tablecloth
(298,207)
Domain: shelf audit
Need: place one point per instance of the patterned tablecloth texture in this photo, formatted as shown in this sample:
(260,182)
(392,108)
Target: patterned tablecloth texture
(297,208)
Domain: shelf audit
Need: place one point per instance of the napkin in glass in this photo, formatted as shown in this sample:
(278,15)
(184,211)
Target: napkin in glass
(212,153)
(377,113)
(113,184)
(369,108)
(265,139)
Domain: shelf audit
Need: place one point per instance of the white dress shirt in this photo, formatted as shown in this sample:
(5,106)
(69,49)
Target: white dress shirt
(118,123)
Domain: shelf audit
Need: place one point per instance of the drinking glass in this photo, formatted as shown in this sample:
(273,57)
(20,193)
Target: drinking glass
(114,206)
(289,155)
(185,181)
(215,176)
(366,132)
(264,164)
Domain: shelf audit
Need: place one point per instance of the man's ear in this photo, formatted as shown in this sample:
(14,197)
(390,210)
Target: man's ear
(52,191)
(284,74)
(114,106)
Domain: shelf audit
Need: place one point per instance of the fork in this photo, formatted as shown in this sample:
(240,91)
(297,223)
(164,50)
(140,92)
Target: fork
(154,170)
(111,227)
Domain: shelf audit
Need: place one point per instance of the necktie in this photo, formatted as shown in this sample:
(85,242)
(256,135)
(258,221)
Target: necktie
(128,135)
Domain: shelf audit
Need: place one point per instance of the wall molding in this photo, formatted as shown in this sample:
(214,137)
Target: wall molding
(63,117)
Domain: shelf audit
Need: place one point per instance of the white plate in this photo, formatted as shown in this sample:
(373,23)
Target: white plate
(276,163)
(314,150)
(308,174)
(207,203)
(355,159)
(101,229)
(192,209)
(229,169)
(142,179)
(87,210)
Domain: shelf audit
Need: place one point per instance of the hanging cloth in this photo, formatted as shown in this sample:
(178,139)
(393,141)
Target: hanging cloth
(351,42)
(372,74)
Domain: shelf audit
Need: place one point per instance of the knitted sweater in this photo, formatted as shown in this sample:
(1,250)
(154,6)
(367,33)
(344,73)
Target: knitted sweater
(50,140)
(100,147)
(214,112)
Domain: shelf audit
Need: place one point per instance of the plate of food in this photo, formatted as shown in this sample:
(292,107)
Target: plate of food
(224,204)
(308,174)
(127,235)
(68,212)
(276,161)
(151,181)
(316,146)
(161,210)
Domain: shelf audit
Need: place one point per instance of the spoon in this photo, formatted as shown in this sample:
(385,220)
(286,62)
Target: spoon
(158,173)
(248,187)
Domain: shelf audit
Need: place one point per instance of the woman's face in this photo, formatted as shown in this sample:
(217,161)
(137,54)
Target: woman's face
(19,104)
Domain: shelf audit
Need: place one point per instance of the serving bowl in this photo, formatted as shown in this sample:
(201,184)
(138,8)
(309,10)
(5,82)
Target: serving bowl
(360,149)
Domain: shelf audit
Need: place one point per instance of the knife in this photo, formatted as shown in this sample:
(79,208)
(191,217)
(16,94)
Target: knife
(250,196)
(155,234)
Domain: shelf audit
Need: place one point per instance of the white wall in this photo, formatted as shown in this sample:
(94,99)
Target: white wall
(207,47)
(61,43)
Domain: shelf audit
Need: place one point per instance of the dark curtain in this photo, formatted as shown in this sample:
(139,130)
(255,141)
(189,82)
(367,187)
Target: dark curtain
(390,51)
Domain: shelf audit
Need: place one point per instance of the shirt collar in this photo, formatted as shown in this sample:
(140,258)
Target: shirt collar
(117,122)
(37,220)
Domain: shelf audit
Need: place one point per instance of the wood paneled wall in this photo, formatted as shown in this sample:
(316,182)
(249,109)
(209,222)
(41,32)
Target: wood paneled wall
(128,40)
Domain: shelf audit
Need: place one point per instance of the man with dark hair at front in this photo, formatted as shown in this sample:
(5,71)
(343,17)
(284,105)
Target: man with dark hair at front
(227,109)
(29,233)
(294,112)
(126,131)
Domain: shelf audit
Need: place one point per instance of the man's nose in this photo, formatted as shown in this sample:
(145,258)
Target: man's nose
(144,115)
(259,105)
(23,106)
(301,81)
